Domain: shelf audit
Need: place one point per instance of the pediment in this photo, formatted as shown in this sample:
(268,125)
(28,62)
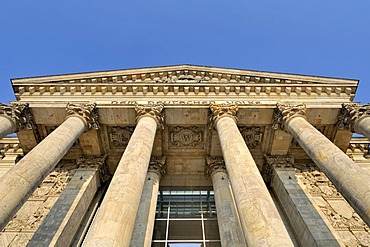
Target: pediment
(185,74)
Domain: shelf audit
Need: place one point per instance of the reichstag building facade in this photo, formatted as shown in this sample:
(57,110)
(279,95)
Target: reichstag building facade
(184,155)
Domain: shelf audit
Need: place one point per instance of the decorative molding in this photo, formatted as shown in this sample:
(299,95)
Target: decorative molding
(350,114)
(181,137)
(335,208)
(119,136)
(252,136)
(95,162)
(53,185)
(221,110)
(87,111)
(19,113)
(214,164)
(285,112)
(157,165)
(279,162)
(151,110)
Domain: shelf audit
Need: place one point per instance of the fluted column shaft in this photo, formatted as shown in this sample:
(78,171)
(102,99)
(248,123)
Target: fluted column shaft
(229,226)
(349,178)
(145,218)
(7,126)
(21,180)
(114,223)
(260,219)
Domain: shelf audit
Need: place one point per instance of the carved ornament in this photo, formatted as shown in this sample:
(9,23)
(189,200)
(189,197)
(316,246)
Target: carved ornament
(119,136)
(276,162)
(186,137)
(252,136)
(285,112)
(350,114)
(183,79)
(336,209)
(86,111)
(157,165)
(19,113)
(95,162)
(214,164)
(154,111)
(222,110)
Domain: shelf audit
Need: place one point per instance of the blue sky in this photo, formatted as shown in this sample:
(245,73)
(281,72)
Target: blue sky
(328,38)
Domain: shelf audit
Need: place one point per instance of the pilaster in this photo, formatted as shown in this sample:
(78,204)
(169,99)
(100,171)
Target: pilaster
(63,221)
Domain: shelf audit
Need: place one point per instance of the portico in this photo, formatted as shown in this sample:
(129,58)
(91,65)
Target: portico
(203,120)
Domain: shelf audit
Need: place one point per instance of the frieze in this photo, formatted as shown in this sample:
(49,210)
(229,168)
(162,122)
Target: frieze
(252,136)
(119,136)
(187,102)
(185,137)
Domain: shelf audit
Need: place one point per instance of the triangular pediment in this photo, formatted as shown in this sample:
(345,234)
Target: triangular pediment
(189,74)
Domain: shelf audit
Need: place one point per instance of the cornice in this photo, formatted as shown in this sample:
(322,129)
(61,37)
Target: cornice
(184,80)
(256,90)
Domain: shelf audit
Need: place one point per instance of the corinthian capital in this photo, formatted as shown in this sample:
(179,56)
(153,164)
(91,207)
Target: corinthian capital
(222,110)
(276,162)
(86,111)
(214,164)
(285,112)
(95,162)
(19,113)
(350,114)
(154,111)
(157,165)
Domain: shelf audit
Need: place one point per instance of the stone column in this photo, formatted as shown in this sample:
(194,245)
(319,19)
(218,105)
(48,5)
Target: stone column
(349,178)
(64,219)
(229,226)
(115,220)
(307,224)
(144,224)
(356,118)
(259,217)
(14,117)
(21,180)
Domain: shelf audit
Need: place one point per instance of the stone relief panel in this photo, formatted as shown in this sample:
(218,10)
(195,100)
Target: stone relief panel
(344,220)
(21,228)
(252,136)
(186,137)
(119,136)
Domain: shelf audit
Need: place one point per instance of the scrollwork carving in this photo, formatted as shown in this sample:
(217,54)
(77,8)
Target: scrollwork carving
(252,136)
(157,165)
(95,162)
(221,110)
(276,162)
(120,136)
(152,110)
(285,112)
(186,136)
(214,164)
(86,111)
(19,113)
(350,114)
